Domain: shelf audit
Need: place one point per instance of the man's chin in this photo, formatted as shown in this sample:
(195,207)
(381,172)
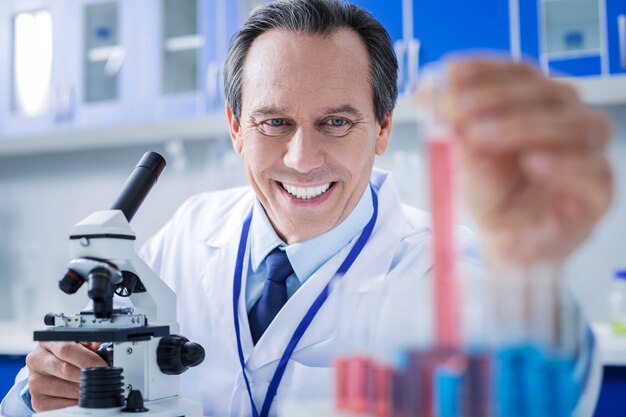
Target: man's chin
(305,228)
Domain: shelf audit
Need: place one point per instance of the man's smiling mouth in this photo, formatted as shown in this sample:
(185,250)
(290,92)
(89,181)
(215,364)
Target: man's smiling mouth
(306,193)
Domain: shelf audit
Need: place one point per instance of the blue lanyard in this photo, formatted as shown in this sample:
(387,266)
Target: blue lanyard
(308,317)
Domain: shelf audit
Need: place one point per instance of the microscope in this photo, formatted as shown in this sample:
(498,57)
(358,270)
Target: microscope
(139,340)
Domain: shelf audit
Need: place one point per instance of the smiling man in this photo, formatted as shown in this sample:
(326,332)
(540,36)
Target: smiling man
(307,128)
(311,87)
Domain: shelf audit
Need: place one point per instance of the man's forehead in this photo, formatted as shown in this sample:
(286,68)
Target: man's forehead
(283,69)
(275,52)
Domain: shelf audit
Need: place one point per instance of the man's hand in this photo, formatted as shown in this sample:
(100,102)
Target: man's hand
(54,369)
(533,168)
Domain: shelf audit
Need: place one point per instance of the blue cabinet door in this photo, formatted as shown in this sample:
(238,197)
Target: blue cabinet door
(528,18)
(448,26)
(563,38)
(424,31)
(181,67)
(389,13)
(616,35)
(102,67)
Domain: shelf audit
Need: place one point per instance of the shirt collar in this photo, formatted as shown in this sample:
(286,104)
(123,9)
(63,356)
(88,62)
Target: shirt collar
(307,256)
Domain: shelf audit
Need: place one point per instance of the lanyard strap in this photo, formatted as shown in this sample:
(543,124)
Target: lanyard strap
(308,317)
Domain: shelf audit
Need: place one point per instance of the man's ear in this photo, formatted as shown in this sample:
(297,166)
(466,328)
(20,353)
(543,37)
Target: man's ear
(384,134)
(235,131)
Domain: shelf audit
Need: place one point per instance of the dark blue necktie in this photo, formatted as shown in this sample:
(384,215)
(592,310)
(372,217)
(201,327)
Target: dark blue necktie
(274,295)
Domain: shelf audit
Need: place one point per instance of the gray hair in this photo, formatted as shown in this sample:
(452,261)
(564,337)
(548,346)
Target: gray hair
(318,17)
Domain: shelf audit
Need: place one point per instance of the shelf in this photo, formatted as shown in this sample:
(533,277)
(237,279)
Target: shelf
(601,91)
(593,90)
(612,347)
(201,128)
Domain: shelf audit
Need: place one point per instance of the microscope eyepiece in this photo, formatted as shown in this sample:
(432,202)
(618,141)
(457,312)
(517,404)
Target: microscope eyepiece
(139,184)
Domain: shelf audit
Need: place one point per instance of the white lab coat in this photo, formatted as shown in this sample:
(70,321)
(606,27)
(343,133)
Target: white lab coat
(195,255)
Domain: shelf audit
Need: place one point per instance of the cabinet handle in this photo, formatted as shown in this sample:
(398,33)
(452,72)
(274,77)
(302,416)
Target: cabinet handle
(413,64)
(399,48)
(65,103)
(212,83)
(621,28)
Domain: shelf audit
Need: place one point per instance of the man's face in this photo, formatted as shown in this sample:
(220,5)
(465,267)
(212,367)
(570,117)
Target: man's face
(307,132)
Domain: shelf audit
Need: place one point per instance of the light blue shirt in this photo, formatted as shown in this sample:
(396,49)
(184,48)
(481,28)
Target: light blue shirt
(305,257)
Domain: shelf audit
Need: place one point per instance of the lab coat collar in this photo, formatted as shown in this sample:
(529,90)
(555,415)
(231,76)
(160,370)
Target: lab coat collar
(216,230)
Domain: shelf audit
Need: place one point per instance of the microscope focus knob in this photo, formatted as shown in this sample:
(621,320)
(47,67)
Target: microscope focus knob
(175,354)
(134,403)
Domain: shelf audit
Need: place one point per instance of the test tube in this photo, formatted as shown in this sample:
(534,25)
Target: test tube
(441,143)
(538,335)
(554,328)
(457,370)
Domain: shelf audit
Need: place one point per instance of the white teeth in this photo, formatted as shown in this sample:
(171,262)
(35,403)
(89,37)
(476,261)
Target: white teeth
(305,193)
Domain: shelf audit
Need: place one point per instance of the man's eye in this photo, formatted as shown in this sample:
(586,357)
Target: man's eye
(275,122)
(275,127)
(336,122)
(335,126)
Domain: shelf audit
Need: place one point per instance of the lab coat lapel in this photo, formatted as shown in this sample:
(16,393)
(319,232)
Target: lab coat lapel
(225,240)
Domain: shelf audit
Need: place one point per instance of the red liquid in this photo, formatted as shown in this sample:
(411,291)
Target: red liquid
(446,291)
(341,384)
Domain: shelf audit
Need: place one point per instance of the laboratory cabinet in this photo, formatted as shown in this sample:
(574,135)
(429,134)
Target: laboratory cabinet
(30,70)
(578,38)
(616,35)
(102,60)
(444,26)
(72,65)
(185,46)
(425,31)
(66,64)
(564,37)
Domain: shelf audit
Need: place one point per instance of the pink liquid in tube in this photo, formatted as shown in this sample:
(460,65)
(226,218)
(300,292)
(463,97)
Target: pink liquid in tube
(440,151)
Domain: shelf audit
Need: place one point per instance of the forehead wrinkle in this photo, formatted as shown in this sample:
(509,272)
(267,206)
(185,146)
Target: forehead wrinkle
(268,110)
(344,108)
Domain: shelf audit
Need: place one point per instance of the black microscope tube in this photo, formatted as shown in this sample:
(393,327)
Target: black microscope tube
(139,183)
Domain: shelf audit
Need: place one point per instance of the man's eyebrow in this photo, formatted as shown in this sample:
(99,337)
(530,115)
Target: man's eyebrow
(267,110)
(344,108)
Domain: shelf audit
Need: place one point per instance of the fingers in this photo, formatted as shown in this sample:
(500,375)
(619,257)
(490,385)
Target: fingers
(75,354)
(584,176)
(62,360)
(50,386)
(559,127)
(479,70)
(45,403)
(54,369)
(500,106)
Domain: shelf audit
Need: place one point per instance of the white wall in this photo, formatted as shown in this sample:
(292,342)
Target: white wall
(42,196)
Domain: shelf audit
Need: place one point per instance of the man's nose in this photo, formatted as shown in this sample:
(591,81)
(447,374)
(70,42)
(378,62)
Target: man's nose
(304,152)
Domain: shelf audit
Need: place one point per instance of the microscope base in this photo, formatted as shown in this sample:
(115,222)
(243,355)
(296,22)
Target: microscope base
(168,407)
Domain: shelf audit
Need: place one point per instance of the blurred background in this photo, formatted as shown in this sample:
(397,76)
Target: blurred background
(87,86)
